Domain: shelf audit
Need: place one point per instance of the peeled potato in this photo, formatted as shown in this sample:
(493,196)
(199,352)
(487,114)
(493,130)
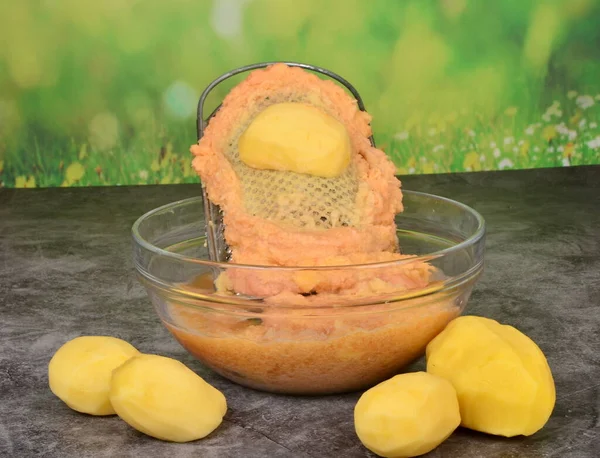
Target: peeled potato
(503,381)
(79,373)
(162,398)
(296,137)
(407,415)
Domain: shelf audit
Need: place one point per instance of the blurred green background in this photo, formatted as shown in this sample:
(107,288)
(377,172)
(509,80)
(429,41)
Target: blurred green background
(104,92)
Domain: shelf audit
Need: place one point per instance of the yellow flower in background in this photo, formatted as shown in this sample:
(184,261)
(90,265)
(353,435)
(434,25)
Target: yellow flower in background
(412,162)
(428,167)
(569,150)
(471,161)
(549,133)
(575,118)
(165,160)
(401,171)
(166,179)
(186,167)
(511,111)
(74,172)
(83,152)
(524,148)
(24,182)
(155,166)
(165,155)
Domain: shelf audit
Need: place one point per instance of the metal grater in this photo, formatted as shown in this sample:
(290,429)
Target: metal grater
(218,250)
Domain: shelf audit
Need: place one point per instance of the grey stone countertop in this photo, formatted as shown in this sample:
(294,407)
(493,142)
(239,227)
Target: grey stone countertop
(65,271)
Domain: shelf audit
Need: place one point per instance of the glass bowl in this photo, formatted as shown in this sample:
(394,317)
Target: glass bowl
(322,348)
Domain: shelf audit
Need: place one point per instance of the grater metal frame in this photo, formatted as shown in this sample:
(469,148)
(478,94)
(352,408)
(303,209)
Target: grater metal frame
(218,250)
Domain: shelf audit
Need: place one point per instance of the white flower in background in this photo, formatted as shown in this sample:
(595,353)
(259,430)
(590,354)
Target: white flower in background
(550,149)
(530,130)
(497,153)
(505,164)
(565,162)
(432,132)
(438,148)
(560,149)
(468,169)
(401,136)
(593,125)
(572,135)
(180,99)
(435,167)
(509,140)
(571,94)
(521,142)
(595,143)
(482,158)
(423,159)
(515,150)
(411,170)
(562,129)
(492,144)
(534,158)
(226,17)
(536,149)
(553,110)
(585,101)
(143,174)
(471,133)
(582,124)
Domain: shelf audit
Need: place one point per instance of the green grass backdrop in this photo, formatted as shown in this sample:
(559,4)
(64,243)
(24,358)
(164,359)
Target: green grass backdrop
(104,92)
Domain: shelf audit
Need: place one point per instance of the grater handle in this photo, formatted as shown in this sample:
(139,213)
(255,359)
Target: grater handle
(201,123)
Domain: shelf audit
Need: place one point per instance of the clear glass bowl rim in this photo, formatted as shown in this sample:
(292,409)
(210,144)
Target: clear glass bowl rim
(471,240)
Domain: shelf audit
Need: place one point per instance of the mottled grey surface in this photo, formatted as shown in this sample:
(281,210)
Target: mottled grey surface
(65,271)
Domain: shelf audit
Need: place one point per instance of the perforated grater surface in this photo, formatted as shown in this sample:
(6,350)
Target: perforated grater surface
(330,201)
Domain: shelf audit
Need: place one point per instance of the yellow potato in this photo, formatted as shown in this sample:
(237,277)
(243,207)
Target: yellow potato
(296,137)
(162,398)
(79,372)
(503,381)
(407,415)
